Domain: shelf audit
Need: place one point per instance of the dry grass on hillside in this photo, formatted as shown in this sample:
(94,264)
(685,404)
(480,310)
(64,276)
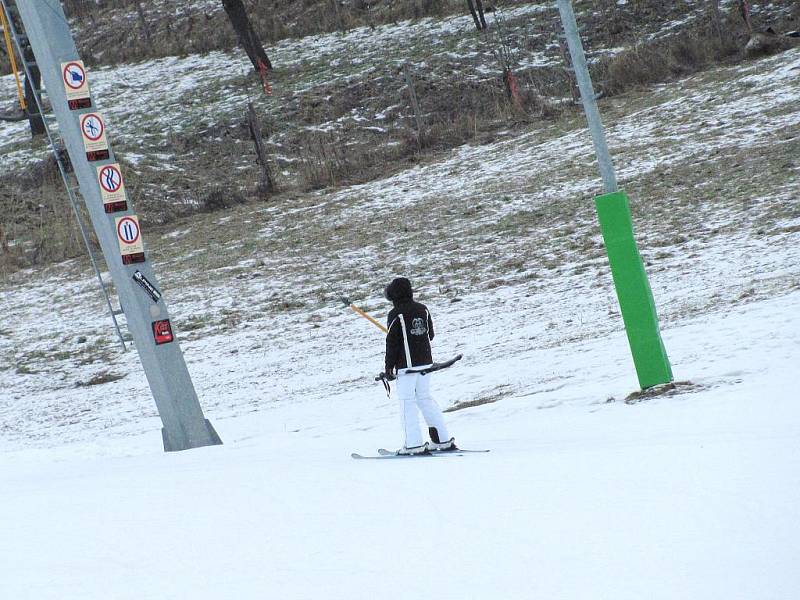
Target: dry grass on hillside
(456,108)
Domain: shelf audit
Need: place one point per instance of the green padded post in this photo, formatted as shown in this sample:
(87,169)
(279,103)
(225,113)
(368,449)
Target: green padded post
(633,291)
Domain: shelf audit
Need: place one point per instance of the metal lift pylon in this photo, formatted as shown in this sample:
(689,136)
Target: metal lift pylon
(76,126)
(56,145)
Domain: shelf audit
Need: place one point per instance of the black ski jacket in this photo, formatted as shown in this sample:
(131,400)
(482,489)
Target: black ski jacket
(408,343)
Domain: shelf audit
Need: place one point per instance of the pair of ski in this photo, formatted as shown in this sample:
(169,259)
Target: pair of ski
(384,453)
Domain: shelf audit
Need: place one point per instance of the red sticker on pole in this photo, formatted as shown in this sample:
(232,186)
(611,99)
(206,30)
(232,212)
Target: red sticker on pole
(162,332)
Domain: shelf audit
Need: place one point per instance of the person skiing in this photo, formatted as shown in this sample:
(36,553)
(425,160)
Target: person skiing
(408,344)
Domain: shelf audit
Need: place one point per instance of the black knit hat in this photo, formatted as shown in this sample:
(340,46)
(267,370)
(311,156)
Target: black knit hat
(399,290)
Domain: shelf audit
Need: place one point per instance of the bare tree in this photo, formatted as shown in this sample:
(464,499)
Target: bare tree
(414,103)
(33,83)
(3,241)
(267,184)
(477,15)
(744,9)
(32,112)
(143,21)
(248,38)
(715,16)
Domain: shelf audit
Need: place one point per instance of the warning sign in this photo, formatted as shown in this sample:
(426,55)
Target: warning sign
(130,240)
(76,84)
(93,131)
(112,188)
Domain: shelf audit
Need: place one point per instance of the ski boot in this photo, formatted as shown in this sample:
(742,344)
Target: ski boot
(414,450)
(448,446)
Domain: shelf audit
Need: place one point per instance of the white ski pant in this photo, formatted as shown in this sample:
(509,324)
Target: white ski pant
(414,393)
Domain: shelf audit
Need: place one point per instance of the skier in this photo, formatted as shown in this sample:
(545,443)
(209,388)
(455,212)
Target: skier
(408,344)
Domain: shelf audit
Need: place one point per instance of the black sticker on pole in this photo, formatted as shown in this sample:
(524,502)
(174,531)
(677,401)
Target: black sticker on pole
(148,287)
(162,332)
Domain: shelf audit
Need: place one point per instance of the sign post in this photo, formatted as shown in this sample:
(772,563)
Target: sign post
(630,279)
(85,134)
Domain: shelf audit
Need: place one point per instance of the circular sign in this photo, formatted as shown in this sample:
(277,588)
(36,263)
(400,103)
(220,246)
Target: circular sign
(92,127)
(110,179)
(74,76)
(128,230)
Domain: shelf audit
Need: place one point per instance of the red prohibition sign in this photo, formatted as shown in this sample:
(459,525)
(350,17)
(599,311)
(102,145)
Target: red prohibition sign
(110,179)
(93,129)
(74,76)
(128,230)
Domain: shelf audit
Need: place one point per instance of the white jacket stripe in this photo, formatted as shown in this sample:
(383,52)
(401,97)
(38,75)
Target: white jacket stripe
(405,341)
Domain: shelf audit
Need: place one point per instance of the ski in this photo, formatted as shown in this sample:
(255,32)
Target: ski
(358,456)
(385,452)
(388,453)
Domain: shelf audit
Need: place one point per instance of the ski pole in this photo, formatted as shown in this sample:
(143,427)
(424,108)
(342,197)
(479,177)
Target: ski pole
(358,311)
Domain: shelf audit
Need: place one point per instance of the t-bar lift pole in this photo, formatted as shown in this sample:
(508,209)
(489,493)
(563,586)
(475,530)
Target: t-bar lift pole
(85,135)
(630,279)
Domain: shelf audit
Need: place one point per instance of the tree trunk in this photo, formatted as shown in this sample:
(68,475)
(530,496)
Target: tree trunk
(479,6)
(267,185)
(247,35)
(716,17)
(34,117)
(414,104)
(477,16)
(3,241)
(143,20)
(744,9)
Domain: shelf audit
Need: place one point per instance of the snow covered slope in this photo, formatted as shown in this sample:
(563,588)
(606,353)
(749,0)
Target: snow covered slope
(691,496)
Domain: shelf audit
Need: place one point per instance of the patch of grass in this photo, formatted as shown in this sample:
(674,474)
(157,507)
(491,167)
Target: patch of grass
(36,214)
(25,370)
(501,393)
(99,379)
(655,61)
(663,391)
(194,323)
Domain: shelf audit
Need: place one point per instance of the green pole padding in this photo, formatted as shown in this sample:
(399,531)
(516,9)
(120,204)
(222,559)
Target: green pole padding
(633,291)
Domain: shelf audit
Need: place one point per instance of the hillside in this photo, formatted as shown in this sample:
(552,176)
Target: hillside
(340,115)
(521,230)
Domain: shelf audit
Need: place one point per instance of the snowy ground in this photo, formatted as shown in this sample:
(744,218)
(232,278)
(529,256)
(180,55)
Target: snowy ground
(690,496)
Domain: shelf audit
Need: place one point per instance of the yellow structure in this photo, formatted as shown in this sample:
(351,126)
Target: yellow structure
(7,35)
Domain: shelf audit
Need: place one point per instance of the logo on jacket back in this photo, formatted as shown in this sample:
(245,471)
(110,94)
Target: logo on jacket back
(418,327)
